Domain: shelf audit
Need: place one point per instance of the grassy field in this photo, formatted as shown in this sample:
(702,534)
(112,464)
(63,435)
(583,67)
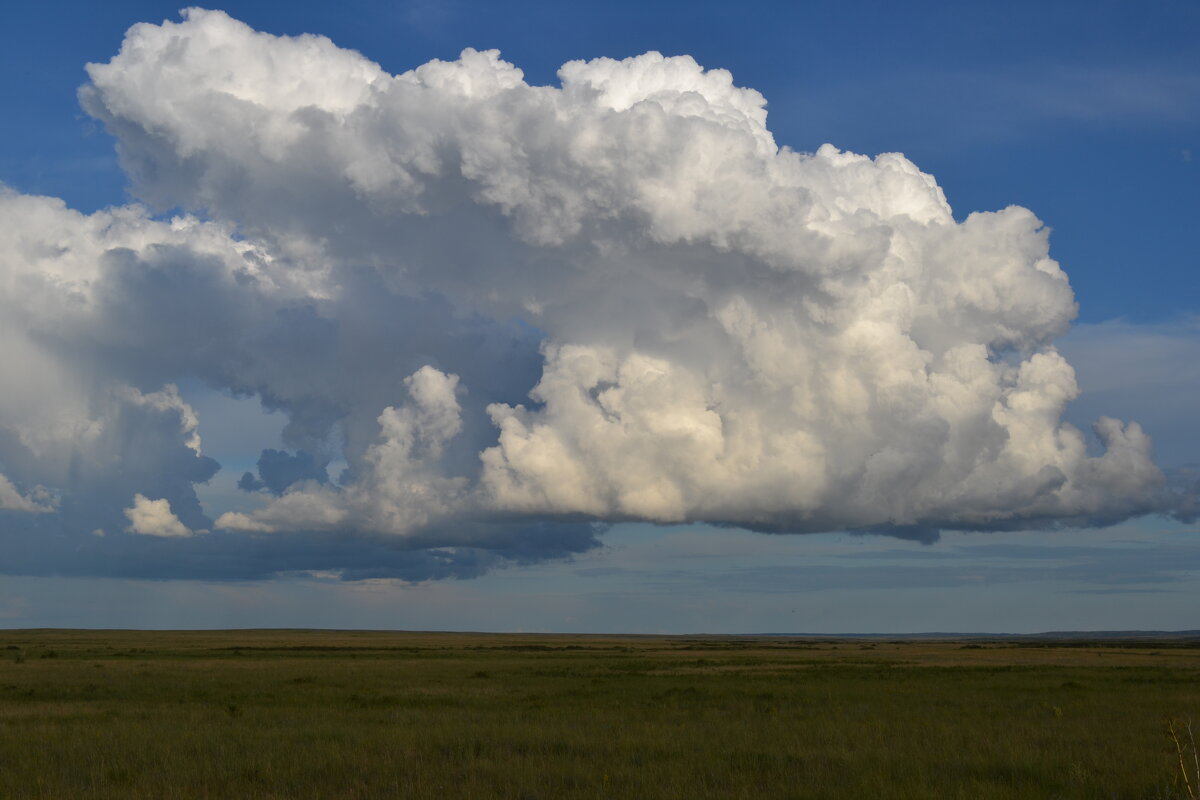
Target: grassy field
(311,714)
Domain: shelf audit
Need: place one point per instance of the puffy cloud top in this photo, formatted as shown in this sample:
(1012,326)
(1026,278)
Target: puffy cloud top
(154,518)
(504,305)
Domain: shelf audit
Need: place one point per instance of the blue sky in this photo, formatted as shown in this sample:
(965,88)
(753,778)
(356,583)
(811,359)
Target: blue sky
(1087,114)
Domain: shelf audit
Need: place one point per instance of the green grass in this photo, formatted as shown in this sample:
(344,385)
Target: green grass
(341,714)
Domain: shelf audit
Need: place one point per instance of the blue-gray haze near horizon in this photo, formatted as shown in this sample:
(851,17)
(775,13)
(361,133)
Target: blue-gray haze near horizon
(516,314)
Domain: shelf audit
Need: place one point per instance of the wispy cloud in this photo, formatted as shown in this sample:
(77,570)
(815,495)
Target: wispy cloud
(958,109)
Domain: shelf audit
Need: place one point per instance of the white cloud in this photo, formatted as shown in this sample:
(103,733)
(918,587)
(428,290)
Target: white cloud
(39,501)
(398,488)
(154,518)
(617,298)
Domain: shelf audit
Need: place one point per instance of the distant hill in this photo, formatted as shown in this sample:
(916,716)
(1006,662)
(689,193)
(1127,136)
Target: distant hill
(1047,636)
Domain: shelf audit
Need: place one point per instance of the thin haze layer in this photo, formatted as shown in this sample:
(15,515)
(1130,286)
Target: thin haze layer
(503,304)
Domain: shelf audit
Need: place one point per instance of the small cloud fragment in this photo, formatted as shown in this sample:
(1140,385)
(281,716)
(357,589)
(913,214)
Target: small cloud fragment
(38,501)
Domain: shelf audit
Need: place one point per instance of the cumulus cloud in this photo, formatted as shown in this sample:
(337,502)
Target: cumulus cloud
(39,501)
(514,311)
(399,487)
(154,518)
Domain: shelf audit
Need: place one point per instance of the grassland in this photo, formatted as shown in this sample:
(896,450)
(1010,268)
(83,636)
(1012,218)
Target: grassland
(312,714)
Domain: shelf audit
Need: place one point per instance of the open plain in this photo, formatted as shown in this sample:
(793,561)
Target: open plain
(330,714)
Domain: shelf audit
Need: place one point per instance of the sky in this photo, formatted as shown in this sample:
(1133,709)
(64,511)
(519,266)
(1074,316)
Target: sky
(636,317)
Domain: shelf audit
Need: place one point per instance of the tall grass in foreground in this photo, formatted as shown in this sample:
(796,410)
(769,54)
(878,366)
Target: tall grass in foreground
(365,715)
(1184,739)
